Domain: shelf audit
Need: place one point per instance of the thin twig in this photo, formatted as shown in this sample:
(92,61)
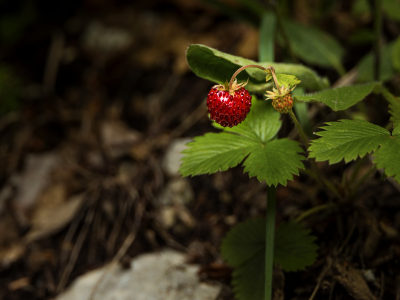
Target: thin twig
(122,251)
(53,62)
(321,277)
(75,251)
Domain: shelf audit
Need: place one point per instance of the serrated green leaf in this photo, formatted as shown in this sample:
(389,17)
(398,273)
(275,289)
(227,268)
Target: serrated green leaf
(365,67)
(347,139)
(284,79)
(287,80)
(396,55)
(249,279)
(388,155)
(267,37)
(394,106)
(244,248)
(271,160)
(215,152)
(218,67)
(341,98)
(314,46)
(244,241)
(294,247)
(262,124)
(275,162)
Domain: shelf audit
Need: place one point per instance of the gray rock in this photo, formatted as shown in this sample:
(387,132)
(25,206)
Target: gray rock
(153,276)
(177,191)
(173,155)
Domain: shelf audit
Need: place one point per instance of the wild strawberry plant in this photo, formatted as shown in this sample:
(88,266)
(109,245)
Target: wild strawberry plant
(252,140)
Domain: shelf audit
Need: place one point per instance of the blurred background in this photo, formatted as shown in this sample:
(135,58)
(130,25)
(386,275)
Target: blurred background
(97,102)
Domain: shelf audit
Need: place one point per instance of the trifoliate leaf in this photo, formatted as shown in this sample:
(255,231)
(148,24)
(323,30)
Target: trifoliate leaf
(341,98)
(244,248)
(271,160)
(262,123)
(215,152)
(388,155)
(394,106)
(396,55)
(347,139)
(314,46)
(218,67)
(365,67)
(275,162)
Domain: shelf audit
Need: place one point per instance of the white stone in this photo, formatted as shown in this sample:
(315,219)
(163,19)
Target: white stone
(152,276)
(173,155)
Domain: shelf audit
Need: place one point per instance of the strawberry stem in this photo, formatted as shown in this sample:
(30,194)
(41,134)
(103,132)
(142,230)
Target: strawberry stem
(241,69)
(272,69)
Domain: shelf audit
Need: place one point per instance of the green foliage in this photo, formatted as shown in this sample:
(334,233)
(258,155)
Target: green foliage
(267,37)
(12,26)
(388,155)
(218,67)
(261,125)
(294,247)
(360,7)
(271,160)
(347,139)
(314,46)
(396,55)
(275,162)
(215,152)
(341,98)
(392,9)
(244,249)
(394,106)
(365,67)
(284,79)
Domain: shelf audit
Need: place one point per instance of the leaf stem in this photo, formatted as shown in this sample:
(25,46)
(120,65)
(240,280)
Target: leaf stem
(298,126)
(323,181)
(272,70)
(241,69)
(270,241)
(363,178)
(314,210)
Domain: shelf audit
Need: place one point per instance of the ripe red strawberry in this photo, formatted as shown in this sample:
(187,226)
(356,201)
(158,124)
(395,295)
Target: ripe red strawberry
(228,108)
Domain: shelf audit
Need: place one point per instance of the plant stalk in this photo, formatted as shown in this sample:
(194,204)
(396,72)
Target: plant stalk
(241,69)
(284,34)
(377,11)
(270,241)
